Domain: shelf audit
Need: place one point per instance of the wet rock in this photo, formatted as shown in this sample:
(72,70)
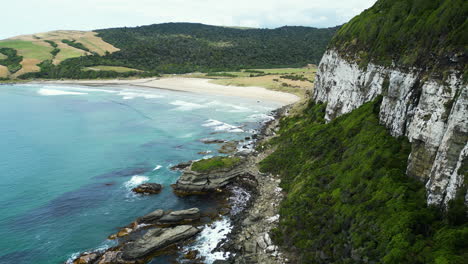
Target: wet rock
(228,148)
(110,257)
(192,182)
(192,254)
(86,259)
(213,141)
(181,215)
(181,165)
(148,188)
(151,217)
(156,239)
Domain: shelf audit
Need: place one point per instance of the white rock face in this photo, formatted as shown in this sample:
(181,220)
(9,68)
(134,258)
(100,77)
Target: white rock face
(432,114)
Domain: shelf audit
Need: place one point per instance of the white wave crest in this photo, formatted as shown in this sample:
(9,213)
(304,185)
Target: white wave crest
(126,95)
(209,238)
(186,106)
(135,181)
(260,118)
(51,92)
(157,167)
(221,126)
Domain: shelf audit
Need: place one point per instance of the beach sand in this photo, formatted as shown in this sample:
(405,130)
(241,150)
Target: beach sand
(195,85)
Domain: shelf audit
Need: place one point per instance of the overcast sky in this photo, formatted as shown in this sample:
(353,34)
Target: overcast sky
(33,16)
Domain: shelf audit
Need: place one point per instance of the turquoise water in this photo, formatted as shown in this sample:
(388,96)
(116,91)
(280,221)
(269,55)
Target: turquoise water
(70,155)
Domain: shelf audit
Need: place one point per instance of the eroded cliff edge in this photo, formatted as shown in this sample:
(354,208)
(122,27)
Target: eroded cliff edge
(432,113)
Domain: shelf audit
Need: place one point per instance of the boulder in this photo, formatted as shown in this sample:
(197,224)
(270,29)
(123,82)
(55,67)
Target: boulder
(156,239)
(148,188)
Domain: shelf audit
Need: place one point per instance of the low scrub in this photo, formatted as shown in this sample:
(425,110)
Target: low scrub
(215,163)
(348,198)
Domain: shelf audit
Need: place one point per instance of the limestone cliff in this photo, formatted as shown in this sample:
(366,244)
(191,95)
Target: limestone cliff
(432,114)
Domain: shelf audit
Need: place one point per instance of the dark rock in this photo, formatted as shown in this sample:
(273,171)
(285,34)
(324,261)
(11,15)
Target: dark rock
(192,254)
(213,141)
(181,215)
(152,217)
(181,165)
(148,188)
(228,147)
(192,182)
(156,239)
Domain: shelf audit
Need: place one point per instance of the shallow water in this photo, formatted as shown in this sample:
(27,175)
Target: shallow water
(70,156)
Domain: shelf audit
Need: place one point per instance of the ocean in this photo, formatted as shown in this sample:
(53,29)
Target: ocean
(70,156)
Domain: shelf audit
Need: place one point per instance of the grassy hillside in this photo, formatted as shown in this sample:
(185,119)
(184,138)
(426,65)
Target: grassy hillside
(348,198)
(187,47)
(54,46)
(432,33)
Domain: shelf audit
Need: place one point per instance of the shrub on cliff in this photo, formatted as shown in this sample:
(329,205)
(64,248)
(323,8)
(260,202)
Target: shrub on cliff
(348,198)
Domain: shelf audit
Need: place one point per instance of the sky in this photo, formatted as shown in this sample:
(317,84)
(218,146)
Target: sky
(34,16)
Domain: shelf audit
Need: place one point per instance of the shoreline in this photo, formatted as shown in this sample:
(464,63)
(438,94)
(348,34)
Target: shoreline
(194,85)
(250,225)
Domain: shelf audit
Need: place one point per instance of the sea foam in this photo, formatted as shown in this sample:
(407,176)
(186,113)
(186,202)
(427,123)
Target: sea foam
(51,92)
(221,126)
(209,238)
(186,106)
(135,181)
(126,95)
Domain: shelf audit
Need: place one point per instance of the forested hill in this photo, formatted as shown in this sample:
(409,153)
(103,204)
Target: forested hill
(176,47)
(189,47)
(424,33)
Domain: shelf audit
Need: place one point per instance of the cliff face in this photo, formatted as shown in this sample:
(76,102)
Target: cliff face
(432,114)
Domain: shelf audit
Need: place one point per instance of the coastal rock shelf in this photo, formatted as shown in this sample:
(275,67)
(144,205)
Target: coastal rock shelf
(217,175)
(147,236)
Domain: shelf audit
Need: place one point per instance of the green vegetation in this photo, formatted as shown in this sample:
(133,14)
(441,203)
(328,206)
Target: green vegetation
(185,47)
(220,74)
(294,77)
(75,44)
(215,163)
(28,49)
(349,200)
(110,68)
(70,70)
(54,45)
(12,62)
(426,33)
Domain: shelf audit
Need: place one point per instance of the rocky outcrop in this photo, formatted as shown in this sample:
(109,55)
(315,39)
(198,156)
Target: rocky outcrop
(147,235)
(182,165)
(192,182)
(148,188)
(432,114)
(156,239)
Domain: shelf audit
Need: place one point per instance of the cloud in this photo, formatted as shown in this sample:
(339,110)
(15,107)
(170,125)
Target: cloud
(30,16)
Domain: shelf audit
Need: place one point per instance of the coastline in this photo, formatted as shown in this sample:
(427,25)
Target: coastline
(194,85)
(248,239)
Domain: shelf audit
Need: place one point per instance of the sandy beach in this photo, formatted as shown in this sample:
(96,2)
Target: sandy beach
(195,85)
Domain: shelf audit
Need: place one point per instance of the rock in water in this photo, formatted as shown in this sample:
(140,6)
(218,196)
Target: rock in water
(181,165)
(156,239)
(182,215)
(151,217)
(193,182)
(148,188)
